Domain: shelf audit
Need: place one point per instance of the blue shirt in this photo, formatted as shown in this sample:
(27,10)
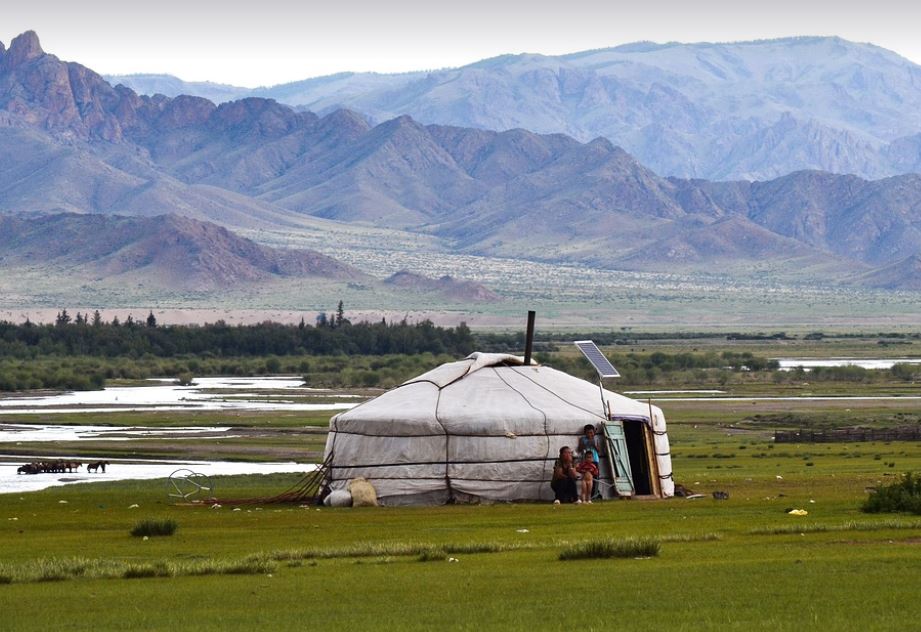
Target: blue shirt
(586,444)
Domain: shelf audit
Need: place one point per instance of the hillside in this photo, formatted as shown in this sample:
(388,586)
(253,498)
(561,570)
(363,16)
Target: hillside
(749,110)
(901,275)
(166,250)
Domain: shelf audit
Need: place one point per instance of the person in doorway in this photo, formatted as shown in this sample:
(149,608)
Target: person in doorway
(563,482)
(588,444)
(589,471)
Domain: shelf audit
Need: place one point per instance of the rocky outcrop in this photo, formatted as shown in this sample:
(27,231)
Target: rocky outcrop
(447,287)
(23,48)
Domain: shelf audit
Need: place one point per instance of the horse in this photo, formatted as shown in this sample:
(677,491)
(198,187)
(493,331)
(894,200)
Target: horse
(98,465)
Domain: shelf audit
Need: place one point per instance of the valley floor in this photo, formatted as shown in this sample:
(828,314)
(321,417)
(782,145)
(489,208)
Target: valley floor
(740,564)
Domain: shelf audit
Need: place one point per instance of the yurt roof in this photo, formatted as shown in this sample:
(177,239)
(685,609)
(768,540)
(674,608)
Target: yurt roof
(487,394)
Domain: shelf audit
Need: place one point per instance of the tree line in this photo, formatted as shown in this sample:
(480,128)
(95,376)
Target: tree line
(91,335)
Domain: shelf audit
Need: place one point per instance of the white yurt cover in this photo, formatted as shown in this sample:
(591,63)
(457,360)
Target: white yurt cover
(486,428)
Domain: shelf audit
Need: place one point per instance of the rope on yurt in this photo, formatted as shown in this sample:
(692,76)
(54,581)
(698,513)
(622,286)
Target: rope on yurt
(306,490)
(451,498)
(542,413)
(657,433)
(562,399)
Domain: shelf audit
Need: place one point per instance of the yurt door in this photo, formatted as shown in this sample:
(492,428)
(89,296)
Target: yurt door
(618,458)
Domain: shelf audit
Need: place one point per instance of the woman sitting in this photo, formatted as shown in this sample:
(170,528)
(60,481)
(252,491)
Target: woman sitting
(563,482)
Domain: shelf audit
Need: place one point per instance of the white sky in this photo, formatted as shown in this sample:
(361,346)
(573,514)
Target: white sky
(273,41)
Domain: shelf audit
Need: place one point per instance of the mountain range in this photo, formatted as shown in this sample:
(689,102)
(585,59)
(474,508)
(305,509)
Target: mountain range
(70,141)
(746,110)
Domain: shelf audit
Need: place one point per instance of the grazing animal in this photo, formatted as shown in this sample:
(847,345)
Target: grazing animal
(98,465)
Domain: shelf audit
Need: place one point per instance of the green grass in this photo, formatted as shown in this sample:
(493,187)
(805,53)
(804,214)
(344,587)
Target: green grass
(605,548)
(885,525)
(720,556)
(151,528)
(741,564)
(62,569)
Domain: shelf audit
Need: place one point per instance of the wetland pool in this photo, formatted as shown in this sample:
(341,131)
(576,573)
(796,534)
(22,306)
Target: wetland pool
(207,393)
(128,469)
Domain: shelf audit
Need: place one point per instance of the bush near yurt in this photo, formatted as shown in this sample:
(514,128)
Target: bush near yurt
(901,496)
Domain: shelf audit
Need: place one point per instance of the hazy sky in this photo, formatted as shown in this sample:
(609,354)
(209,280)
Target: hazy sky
(272,41)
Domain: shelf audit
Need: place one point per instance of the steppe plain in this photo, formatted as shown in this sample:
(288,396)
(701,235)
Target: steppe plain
(744,563)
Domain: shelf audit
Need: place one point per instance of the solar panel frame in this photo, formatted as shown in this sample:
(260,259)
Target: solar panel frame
(597,359)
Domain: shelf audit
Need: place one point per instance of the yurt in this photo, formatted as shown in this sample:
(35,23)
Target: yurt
(488,429)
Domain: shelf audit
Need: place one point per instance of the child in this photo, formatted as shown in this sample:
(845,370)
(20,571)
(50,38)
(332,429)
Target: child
(588,442)
(589,471)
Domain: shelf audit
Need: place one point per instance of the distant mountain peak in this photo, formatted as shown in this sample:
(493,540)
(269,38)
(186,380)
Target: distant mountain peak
(344,117)
(23,48)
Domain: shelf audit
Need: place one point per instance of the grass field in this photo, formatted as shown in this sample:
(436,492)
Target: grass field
(740,564)
(737,564)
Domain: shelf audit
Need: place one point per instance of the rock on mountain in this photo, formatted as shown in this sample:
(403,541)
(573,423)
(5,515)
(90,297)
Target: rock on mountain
(751,110)
(167,250)
(448,287)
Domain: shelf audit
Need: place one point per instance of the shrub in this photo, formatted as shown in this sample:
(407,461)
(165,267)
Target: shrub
(154,527)
(900,496)
(609,547)
(433,555)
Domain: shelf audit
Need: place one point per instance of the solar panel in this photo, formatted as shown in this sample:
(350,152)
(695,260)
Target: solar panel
(593,354)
